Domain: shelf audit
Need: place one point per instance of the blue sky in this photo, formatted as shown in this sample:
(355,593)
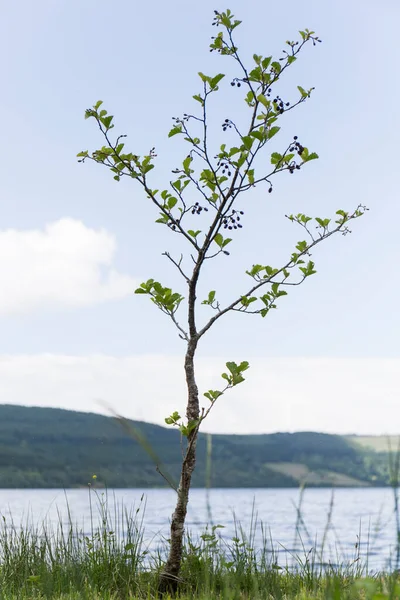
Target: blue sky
(74,244)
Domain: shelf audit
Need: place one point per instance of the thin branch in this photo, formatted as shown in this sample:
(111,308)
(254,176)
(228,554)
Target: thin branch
(288,265)
(177,264)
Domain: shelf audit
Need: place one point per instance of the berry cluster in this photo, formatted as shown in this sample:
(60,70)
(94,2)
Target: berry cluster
(197,208)
(227,124)
(292,167)
(216,18)
(296,146)
(232,221)
(225,166)
(236,82)
(280,105)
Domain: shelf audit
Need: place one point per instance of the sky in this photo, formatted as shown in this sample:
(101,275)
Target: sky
(74,244)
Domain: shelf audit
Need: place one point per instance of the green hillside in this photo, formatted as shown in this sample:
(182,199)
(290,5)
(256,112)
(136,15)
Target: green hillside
(46,447)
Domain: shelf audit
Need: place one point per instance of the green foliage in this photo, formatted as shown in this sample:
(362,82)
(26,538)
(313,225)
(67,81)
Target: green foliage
(163,297)
(218,179)
(111,561)
(52,448)
(235,372)
(210,299)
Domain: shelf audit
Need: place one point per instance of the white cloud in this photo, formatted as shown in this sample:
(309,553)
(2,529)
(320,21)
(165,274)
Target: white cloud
(286,394)
(65,265)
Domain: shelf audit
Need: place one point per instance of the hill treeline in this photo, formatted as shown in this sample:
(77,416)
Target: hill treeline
(54,448)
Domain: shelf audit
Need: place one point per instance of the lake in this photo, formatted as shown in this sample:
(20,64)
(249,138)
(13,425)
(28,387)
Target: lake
(362,520)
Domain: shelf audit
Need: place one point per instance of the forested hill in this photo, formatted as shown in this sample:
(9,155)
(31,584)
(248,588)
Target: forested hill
(46,447)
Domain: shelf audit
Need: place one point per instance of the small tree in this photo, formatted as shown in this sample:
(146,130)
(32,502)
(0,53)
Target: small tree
(219,177)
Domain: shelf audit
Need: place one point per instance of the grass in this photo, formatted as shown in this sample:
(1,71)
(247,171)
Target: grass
(112,562)
(379,443)
(302,473)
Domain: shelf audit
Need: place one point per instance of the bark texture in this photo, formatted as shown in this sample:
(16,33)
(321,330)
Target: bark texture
(169,578)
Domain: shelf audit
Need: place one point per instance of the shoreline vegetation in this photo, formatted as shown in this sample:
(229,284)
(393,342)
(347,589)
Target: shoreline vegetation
(110,557)
(55,448)
(109,560)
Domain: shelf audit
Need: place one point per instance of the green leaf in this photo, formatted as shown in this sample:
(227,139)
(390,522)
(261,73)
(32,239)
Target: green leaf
(215,80)
(291,59)
(199,99)
(263,100)
(84,153)
(247,142)
(194,234)
(175,130)
(163,218)
(259,135)
(192,425)
(266,62)
(250,176)
(186,164)
(246,300)
(210,299)
(276,67)
(204,78)
(288,158)
(302,91)
(233,151)
(275,288)
(302,246)
(107,121)
(219,240)
(171,202)
(212,395)
(276,158)
(273,131)
(255,74)
(242,159)
(308,269)
(254,270)
(98,104)
(250,98)
(311,156)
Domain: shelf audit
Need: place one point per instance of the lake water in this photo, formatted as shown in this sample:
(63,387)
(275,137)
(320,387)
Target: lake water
(362,520)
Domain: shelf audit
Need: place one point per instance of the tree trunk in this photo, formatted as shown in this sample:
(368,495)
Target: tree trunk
(170,576)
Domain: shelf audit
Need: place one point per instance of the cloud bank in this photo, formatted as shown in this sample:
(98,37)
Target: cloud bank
(64,265)
(285,394)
